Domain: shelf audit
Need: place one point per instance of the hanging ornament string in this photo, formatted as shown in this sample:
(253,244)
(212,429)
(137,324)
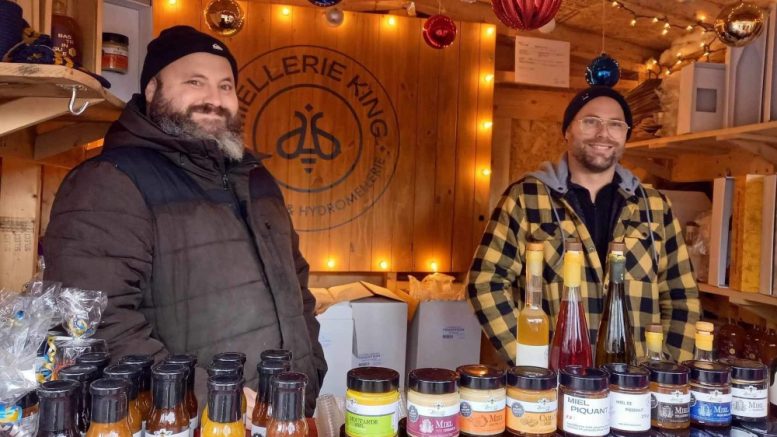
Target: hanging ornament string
(635,17)
(604,12)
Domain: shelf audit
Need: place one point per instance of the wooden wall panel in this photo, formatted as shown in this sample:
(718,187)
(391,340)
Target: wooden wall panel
(414,195)
(20,194)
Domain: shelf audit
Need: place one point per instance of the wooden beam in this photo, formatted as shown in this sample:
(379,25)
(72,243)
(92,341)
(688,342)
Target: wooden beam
(507,78)
(69,137)
(27,111)
(17,145)
(762,150)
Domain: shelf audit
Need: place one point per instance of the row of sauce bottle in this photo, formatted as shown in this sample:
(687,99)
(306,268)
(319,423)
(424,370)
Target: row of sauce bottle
(137,398)
(478,400)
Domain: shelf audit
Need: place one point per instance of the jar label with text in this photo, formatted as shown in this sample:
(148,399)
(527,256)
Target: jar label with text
(670,408)
(436,421)
(483,418)
(586,416)
(630,412)
(371,420)
(258,431)
(713,407)
(749,402)
(536,417)
(138,434)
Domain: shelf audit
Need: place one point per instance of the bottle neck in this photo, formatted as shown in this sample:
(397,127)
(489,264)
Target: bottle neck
(109,409)
(704,347)
(573,269)
(60,7)
(287,405)
(224,406)
(534,261)
(167,394)
(654,342)
(57,414)
(265,386)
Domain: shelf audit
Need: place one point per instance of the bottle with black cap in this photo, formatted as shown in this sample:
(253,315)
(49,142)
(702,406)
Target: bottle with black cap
(224,418)
(267,370)
(190,399)
(85,375)
(131,374)
(275,354)
(227,363)
(58,401)
(109,408)
(168,416)
(231,357)
(287,418)
(145,362)
(97,359)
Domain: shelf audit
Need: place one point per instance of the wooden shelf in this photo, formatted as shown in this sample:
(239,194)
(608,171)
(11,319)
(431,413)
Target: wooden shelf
(31,94)
(734,294)
(703,156)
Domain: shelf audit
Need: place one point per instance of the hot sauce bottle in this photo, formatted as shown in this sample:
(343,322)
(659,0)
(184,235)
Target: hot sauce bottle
(109,408)
(168,417)
(224,418)
(267,370)
(287,418)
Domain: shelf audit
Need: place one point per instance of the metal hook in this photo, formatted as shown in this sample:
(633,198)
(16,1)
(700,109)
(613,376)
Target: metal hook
(72,103)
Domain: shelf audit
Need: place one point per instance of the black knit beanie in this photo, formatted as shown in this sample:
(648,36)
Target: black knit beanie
(589,94)
(176,42)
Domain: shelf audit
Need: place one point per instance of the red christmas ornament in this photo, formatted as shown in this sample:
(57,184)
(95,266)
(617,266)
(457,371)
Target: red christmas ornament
(439,31)
(525,14)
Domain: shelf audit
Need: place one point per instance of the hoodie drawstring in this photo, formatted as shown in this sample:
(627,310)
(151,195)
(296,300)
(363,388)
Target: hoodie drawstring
(558,222)
(650,222)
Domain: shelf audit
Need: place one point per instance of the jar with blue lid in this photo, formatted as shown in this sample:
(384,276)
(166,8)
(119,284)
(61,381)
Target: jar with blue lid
(710,394)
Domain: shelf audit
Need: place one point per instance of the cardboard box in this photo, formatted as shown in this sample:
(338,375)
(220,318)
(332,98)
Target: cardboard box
(365,332)
(701,105)
(745,82)
(443,334)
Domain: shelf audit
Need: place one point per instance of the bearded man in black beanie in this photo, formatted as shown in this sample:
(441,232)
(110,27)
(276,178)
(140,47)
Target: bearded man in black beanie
(588,196)
(184,228)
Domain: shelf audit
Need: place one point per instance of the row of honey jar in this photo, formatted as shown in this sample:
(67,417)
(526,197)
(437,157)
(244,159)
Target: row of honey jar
(479,400)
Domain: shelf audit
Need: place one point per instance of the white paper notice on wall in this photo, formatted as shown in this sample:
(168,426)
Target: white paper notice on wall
(541,62)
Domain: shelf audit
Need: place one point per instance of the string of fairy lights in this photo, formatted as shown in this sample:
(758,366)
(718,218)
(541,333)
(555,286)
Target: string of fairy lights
(656,68)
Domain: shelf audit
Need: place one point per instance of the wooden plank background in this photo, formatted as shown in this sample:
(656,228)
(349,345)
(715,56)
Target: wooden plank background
(436,204)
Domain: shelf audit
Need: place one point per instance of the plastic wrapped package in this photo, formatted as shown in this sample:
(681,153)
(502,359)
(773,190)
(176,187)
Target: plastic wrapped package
(25,320)
(81,312)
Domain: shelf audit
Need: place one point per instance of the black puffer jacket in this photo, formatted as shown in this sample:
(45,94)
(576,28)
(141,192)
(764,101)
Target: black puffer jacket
(192,259)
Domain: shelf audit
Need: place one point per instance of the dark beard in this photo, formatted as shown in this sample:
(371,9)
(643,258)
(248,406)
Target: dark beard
(181,124)
(591,163)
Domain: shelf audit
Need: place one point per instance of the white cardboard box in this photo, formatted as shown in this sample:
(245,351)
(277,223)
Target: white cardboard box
(701,105)
(365,332)
(745,82)
(444,334)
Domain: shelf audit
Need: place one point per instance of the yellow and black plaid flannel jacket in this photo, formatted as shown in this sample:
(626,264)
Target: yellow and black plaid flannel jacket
(660,284)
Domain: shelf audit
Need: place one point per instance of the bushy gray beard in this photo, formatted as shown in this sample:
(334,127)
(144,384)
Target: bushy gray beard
(181,124)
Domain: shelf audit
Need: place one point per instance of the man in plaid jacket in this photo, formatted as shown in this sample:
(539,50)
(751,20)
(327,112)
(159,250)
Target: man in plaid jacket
(587,195)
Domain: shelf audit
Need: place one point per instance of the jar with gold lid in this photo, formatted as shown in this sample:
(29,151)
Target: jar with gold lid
(482,393)
(532,401)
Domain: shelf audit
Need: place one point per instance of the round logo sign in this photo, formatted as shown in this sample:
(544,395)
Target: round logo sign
(329,130)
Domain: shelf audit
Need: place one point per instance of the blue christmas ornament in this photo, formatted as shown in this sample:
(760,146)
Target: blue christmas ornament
(603,70)
(324,3)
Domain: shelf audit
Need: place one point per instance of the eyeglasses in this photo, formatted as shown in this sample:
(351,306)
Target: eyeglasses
(592,125)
